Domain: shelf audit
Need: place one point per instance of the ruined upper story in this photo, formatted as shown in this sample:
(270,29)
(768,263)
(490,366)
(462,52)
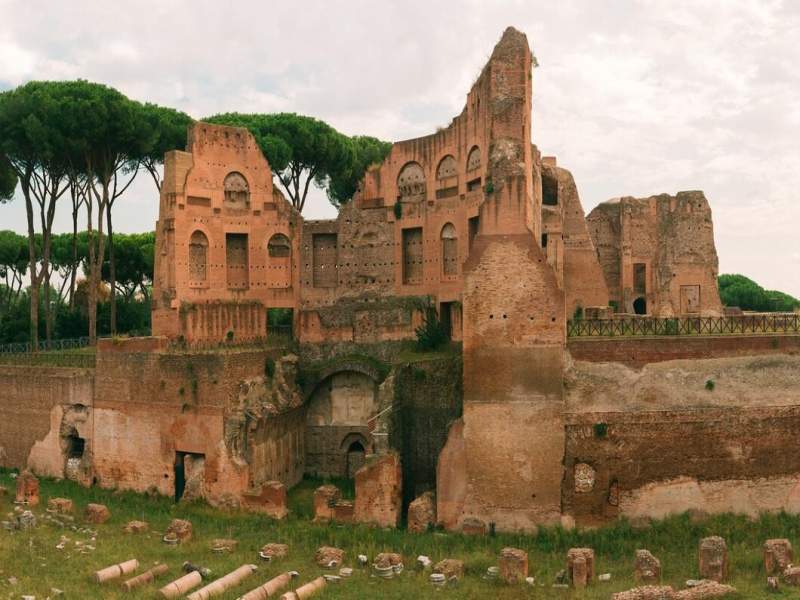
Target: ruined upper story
(658,254)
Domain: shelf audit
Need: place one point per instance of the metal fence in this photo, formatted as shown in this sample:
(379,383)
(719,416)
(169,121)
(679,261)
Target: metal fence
(44,345)
(648,326)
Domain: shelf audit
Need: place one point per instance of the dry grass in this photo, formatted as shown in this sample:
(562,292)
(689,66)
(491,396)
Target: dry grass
(32,556)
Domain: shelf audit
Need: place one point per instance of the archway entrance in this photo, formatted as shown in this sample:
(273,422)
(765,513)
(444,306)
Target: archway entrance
(356,455)
(640,306)
(337,430)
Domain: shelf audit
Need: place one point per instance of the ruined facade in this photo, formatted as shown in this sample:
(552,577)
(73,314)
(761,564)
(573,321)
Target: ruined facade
(516,427)
(658,254)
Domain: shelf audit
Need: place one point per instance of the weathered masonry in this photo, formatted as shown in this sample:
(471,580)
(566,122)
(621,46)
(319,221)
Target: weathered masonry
(583,348)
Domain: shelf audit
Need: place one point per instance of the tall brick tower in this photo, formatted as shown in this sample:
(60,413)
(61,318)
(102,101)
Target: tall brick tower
(508,466)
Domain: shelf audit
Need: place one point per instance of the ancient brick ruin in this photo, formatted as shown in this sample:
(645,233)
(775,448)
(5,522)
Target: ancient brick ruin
(516,426)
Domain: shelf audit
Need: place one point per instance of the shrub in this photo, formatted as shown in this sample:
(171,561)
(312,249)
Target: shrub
(432,333)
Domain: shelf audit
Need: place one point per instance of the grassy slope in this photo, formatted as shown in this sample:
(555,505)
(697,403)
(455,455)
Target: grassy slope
(33,559)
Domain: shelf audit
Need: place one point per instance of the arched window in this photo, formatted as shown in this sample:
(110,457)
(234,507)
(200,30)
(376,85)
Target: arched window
(237,191)
(411,181)
(549,190)
(449,250)
(447,168)
(474,159)
(278,246)
(198,257)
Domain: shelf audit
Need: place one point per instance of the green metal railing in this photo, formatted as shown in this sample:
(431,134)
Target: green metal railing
(760,323)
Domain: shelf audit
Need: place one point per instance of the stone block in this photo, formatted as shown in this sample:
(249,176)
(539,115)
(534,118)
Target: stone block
(329,557)
(388,559)
(513,565)
(344,511)
(136,527)
(422,513)
(791,575)
(473,526)
(580,566)
(273,551)
(27,489)
(61,506)
(706,590)
(97,513)
(647,567)
(647,592)
(451,568)
(181,529)
(777,555)
(270,499)
(379,491)
(713,559)
(325,498)
(223,545)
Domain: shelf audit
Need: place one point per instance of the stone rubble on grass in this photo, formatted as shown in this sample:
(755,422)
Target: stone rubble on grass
(180,529)
(423,562)
(271,551)
(713,558)
(59,505)
(773,584)
(604,577)
(777,555)
(329,557)
(422,513)
(706,590)
(451,568)
(580,566)
(97,513)
(136,527)
(220,545)
(513,565)
(647,568)
(791,575)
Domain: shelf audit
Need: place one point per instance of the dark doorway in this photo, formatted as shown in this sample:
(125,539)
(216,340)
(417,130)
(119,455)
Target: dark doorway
(474,225)
(75,446)
(446,317)
(355,458)
(180,475)
(640,306)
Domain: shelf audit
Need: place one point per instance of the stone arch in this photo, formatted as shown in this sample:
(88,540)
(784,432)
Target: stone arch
(237,191)
(411,180)
(337,416)
(474,159)
(198,257)
(449,239)
(640,306)
(447,167)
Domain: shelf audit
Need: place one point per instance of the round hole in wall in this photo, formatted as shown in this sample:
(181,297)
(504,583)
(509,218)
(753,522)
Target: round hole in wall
(504,316)
(491,316)
(553,319)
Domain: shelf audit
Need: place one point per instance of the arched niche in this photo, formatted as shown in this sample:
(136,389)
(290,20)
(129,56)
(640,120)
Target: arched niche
(237,191)
(449,239)
(448,167)
(474,159)
(411,181)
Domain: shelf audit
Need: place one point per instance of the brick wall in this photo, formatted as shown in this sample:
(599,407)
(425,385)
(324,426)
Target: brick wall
(31,404)
(640,351)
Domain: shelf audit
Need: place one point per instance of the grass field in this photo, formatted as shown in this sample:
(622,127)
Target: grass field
(33,559)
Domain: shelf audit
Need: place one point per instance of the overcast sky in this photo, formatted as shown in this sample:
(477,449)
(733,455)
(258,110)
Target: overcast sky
(634,97)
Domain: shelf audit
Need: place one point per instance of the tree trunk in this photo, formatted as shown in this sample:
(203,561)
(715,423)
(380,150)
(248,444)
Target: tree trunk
(74,269)
(112,273)
(34,307)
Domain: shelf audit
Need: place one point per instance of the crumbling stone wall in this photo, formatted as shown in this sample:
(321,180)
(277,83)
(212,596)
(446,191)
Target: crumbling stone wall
(39,404)
(670,241)
(428,398)
(566,240)
(662,440)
